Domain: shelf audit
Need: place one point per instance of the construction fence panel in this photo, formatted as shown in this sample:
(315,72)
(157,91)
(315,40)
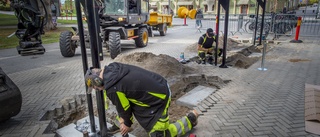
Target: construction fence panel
(276,24)
(283,24)
(235,23)
(310,25)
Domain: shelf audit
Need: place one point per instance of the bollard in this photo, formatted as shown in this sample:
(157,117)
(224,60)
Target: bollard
(262,68)
(296,38)
(185,20)
(217,19)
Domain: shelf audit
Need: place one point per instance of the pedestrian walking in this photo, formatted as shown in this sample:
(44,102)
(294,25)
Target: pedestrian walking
(199,17)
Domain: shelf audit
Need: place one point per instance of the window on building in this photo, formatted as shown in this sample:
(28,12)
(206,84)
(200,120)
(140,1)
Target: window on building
(244,9)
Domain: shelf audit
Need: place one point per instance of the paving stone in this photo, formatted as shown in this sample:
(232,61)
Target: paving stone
(202,109)
(271,97)
(210,100)
(207,103)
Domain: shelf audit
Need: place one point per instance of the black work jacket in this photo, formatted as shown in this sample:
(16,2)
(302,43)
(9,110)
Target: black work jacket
(137,91)
(207,42)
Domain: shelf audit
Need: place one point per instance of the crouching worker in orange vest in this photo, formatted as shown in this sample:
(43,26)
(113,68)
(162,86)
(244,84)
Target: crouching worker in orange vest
(206,46)
(140,93)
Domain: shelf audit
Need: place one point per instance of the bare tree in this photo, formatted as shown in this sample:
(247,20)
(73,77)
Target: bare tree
(48,15)
(4,2)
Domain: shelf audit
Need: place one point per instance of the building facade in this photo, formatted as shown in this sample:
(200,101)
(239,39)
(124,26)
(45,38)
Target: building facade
(236,6)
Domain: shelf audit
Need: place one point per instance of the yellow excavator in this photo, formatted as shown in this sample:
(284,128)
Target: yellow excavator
(120,20)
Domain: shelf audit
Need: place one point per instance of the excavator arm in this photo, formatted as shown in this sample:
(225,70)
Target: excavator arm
(30,26)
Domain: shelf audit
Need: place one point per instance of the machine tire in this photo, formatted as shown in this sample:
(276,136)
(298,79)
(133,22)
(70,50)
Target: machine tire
(114,44)
(10,97)
(67,48)
(163,29)
(142,40)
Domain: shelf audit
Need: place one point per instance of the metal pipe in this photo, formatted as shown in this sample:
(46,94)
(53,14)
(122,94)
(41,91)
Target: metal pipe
(255,26)
(85,64)
(169,7)
(97,24)
(263,6)
(263,56)
(226,21)
(96,64)
(217,35)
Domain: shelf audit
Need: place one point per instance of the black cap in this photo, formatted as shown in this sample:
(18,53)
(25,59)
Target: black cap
(210,32)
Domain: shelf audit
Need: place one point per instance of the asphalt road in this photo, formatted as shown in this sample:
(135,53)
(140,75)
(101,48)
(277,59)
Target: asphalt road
(177,38)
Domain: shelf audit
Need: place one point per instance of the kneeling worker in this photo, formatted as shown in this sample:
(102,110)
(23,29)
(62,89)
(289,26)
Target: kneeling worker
(206,46)
(140,93)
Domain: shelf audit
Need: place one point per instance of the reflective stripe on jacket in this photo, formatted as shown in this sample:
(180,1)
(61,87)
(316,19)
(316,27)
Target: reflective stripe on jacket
(134,90)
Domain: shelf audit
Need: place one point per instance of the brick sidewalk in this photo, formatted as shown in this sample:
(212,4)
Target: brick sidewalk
(269,103)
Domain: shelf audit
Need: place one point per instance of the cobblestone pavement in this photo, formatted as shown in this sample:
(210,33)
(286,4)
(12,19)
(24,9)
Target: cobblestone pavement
(254,103)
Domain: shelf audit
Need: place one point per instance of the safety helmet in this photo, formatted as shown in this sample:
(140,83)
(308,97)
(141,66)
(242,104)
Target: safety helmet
(92,78)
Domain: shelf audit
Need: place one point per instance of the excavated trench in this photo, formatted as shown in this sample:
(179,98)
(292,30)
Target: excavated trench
(239,55)
(75,108)
(181,78)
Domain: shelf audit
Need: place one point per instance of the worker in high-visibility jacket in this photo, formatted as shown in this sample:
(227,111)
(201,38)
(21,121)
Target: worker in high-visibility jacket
(206,46)
(140,93)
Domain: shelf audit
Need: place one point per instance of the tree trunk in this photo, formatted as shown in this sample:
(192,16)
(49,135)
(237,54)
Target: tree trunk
(48,18)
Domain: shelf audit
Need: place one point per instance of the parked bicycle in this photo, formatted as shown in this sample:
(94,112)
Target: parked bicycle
(250,25)
(280,24)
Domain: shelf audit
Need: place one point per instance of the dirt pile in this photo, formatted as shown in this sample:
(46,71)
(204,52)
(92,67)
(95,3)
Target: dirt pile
(164,65)
(231,45)
(181,78)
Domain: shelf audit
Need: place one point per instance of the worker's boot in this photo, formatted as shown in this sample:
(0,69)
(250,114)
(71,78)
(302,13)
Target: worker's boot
(220,52)
(210,60)
(193,118)
(202,58)
(203,61)
(199,61)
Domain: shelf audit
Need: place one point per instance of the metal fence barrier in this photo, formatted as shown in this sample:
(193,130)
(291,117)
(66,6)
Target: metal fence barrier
(276,24)
(310,25)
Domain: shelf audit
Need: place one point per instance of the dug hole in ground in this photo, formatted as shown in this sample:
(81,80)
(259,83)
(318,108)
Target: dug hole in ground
(181,77)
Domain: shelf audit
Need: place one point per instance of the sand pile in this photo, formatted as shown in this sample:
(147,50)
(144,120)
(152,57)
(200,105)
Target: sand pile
(164,65)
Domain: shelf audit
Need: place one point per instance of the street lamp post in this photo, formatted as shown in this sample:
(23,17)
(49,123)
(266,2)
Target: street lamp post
(169,7)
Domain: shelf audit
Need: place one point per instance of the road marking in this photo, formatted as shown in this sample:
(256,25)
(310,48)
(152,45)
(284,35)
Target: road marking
(3,58)
(9,57)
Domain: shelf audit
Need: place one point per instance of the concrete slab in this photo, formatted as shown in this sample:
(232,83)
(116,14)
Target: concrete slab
(195,96)
(255,55)
(73,130)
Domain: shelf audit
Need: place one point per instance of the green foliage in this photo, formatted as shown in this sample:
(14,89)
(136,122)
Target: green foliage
(8,20)
(67,21)
(5,7)
(3,2)
(313,1)
(51,36)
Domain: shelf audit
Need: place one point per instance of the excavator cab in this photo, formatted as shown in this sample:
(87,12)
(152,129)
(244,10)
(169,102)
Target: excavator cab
(123,12)
(125,20)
